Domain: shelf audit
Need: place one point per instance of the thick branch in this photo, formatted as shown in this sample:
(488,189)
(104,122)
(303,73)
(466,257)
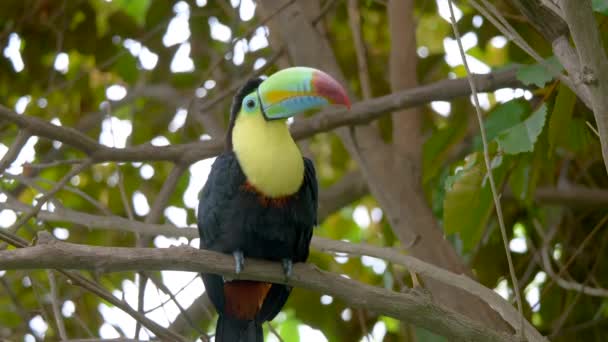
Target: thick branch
(548,22)
(360,113)
(428,270)
(411,307)
(593,62)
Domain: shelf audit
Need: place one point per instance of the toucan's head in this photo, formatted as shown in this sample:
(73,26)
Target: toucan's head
(266,104)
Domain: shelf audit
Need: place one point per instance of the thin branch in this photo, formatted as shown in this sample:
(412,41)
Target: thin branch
(486,155)
(55,163)
(557,276)
(360,113)
(354,20)
(275,332)
(207,105)
(48,195)
(413,308)
(154,216)
(17,304)
(31,182)
(10,156)
(593,62)
(108,340)
(199,311)
(546,240)
(55,304)
(162,287)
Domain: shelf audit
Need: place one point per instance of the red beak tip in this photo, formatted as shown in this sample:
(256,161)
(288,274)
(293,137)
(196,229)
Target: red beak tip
(347,103)
(330,88)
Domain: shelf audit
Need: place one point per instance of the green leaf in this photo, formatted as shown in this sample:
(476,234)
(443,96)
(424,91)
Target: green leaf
(520,179)
(468,202)
(424,335)
(503,117)
(540,74)
(521,137)
(438,146)
(600,6)
(560,119)
(289,330)
(135,8)
(579,138)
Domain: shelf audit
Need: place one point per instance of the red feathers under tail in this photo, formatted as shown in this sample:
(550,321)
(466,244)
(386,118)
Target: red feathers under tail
(243,300)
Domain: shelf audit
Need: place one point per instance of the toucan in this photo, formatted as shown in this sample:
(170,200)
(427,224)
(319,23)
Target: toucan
(260,199)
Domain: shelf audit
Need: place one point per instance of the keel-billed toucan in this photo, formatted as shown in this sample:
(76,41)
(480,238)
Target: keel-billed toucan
(260,200)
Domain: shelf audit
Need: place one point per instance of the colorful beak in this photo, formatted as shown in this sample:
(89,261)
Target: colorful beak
(299,89)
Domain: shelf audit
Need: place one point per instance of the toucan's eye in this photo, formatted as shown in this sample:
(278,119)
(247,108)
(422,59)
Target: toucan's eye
(250,104)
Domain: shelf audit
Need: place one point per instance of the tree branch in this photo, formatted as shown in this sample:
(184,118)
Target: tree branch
(593,62)
(10,156)
(462,282)
(411,307)
(360,113)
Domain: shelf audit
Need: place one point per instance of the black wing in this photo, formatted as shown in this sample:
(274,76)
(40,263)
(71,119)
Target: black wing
(223,181)
(309,194)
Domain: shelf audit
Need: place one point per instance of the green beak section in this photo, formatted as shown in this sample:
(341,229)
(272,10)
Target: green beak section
(299,89)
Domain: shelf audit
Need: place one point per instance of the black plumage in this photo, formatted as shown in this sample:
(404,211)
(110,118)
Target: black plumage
(233,216)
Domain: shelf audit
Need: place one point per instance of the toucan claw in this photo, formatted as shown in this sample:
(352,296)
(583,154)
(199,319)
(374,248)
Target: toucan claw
(287,268)
(239,260)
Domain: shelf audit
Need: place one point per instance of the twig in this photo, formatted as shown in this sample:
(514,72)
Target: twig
(274,332)
(55,304)
(354,19)
(570,285)
(14,150)
(154,216)
(48,195)
(486,155)
(547,239)
(200,310)
(229,91)
(31,182)
(55,163)
(328,5)
(162,287)
(562,320)
(171,295)
(17,304)
(362,325)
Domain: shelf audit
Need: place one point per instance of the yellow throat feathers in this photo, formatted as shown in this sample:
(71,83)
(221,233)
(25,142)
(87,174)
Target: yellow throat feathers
(269,157)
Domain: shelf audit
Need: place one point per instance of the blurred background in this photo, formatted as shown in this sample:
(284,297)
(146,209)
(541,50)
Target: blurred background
(131,72)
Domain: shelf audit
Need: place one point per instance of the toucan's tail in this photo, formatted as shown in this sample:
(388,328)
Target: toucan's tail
(237,330)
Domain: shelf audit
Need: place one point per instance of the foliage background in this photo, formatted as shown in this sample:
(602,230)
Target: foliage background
(130,72)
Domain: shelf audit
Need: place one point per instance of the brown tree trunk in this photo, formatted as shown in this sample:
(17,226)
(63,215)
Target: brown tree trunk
(391,170)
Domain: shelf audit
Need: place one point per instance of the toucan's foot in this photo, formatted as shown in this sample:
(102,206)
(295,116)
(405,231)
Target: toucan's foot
(239,260)
(287,268)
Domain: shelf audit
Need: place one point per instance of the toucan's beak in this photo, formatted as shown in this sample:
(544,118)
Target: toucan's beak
(299,89)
